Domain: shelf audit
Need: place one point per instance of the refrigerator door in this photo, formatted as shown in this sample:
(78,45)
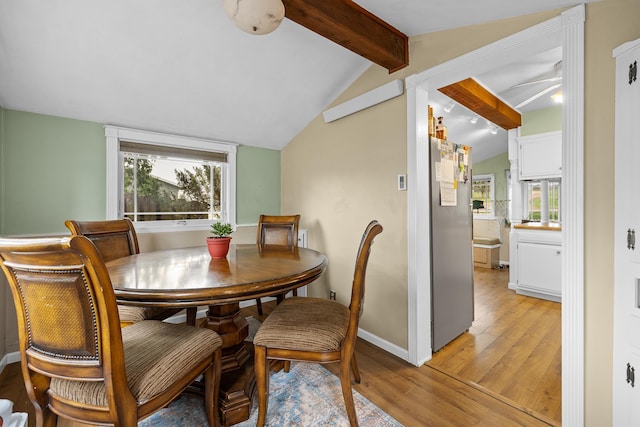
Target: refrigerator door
(452,255)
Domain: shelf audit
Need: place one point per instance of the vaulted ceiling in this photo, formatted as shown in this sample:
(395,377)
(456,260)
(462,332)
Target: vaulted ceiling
(183,67)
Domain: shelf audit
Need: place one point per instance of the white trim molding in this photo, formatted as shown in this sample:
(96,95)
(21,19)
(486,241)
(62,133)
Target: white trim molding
(573,217)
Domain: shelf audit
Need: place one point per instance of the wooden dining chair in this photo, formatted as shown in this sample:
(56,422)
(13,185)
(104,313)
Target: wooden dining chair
(116,239)
(77,362)
(277,230)
(315,330)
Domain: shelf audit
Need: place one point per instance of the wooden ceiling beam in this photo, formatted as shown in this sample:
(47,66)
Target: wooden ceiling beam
(476,98)
(349,25)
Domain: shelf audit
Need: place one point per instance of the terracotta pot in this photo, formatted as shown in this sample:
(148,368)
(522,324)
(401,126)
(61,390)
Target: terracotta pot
(218,246)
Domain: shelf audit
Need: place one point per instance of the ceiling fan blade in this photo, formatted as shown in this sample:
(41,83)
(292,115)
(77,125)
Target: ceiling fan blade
(533,82)
(537,95)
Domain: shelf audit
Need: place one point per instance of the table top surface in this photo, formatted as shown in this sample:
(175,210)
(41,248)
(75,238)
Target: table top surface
(189,276)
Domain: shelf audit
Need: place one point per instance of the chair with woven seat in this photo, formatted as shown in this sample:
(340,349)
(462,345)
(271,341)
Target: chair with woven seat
(277,230)
(77,362)
(315,330)
(116,239)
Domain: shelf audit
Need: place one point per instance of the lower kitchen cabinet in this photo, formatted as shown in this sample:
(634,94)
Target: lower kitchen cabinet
(539,264)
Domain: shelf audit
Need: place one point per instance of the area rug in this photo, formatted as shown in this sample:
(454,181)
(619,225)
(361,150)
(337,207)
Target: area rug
(309,395)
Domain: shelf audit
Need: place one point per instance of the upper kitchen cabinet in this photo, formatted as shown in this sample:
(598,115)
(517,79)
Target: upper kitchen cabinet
(540,156)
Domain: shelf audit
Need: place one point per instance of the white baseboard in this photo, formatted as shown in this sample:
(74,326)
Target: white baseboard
(8,359)
(384,344)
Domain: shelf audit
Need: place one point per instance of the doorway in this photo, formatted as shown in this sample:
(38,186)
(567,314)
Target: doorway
(567,30)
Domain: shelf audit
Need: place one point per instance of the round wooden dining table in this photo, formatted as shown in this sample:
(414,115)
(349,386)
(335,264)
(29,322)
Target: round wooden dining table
(189,278)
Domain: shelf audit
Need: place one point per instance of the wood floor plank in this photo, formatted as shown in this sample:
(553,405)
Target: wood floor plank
(529,374)
(527,355)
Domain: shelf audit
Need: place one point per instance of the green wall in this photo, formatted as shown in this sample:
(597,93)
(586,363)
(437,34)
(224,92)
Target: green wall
(54,168)
(258,184)
(541,121)
(497,165)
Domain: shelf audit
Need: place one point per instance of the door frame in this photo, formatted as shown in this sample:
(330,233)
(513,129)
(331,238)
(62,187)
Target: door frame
(567,30)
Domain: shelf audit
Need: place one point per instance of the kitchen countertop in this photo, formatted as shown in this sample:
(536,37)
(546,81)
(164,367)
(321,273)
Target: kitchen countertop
(538,226)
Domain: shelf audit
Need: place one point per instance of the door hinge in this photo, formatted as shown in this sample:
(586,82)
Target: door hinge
(631,239)
(631,375)
(633,72)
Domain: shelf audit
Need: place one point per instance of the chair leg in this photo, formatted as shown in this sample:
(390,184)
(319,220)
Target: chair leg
(354,368)
(212,388)
(295,292)
(286,365)
(259,306)
(347,394)
(192,312)
(262,383)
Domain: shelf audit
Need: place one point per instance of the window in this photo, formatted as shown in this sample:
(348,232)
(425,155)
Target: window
(537,209)
(534,200)
(482,196)
(554,200)
(166,182)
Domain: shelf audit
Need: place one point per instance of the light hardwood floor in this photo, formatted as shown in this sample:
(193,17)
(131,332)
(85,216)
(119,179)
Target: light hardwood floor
(513,348)
(504,372)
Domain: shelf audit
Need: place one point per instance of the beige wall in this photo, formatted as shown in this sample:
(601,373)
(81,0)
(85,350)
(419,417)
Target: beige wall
(342,174)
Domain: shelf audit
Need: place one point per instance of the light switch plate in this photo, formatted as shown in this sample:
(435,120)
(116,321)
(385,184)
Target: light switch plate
(402,182)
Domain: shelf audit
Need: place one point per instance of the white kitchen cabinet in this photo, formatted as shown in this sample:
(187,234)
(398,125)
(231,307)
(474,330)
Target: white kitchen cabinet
(539,264)
(540,156)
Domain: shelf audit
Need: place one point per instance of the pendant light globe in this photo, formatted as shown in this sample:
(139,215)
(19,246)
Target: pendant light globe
(255,16)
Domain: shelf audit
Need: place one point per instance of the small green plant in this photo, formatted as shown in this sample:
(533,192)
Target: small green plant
(221,229)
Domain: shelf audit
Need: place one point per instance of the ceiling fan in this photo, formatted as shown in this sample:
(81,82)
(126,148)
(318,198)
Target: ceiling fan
(555,78)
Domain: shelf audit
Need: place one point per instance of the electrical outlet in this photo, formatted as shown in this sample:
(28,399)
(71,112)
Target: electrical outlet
(332,295)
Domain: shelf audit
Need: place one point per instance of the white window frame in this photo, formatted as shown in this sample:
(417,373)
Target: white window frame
(492,195)
(114,134)
(545,209)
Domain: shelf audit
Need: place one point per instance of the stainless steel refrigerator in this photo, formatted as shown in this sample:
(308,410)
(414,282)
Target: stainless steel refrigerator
(452,311)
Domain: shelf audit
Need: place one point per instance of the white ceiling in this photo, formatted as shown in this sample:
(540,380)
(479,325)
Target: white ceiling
(182,67)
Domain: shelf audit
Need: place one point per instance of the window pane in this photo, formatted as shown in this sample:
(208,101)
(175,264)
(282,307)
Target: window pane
(170,189)
(481,196)
(534,201)
(554,200)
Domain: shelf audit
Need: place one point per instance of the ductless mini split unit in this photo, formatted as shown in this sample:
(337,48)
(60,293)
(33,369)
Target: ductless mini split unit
(366,100)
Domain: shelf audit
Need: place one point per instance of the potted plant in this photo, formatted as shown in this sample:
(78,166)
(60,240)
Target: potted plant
(218,244)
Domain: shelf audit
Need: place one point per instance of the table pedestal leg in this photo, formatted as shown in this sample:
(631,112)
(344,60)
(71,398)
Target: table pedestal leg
(238,380)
